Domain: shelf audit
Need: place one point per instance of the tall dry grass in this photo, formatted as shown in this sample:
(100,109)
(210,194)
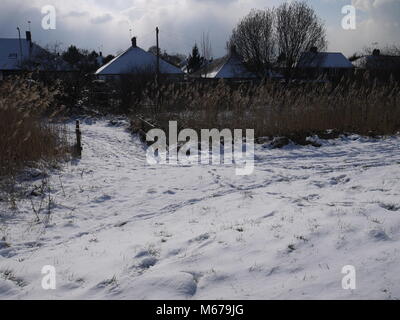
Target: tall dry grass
(274,109)
(26,136)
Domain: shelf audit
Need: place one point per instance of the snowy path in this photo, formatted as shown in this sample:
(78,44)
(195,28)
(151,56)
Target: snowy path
(121,229)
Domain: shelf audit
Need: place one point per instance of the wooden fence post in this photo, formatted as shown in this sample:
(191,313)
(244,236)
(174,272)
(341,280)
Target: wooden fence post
(78,139)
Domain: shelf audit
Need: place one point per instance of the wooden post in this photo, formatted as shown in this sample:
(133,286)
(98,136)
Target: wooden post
(158,53)
(78,139)
(158,71)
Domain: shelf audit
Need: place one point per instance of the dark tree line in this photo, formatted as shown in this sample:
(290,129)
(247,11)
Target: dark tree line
(84,60)
(174,59)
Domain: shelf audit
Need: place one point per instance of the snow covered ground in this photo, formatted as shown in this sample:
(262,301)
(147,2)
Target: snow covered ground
(122,229)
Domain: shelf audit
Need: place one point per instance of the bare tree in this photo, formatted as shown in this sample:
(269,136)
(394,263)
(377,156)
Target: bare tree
(253,39)
(206,48)
(206,52)
(47,59)
(388,50)
(298,29)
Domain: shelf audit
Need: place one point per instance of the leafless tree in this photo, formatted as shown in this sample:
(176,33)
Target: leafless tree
(47,59)
(205,47)
(298,29)
(388,50)
(253,39)
(206,53)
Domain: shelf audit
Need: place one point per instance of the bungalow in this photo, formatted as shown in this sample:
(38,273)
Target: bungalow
(379,66)
(229,67)
(314,64)
(377,61)
(17,55)
(136,60)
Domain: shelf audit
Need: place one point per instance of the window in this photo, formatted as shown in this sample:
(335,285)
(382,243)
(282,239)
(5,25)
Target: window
(13,56)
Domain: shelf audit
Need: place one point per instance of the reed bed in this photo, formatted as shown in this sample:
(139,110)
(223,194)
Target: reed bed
(27,136)
(275,109)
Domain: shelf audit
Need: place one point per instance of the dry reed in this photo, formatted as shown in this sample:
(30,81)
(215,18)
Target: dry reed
(274,109)
(26,136)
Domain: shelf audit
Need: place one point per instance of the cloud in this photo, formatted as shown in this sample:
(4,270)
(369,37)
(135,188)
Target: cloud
(104,18)
(377,25)
(77,14)
(94,24)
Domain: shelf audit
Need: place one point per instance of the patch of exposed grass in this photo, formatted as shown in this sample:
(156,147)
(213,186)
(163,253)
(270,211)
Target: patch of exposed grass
(8,275)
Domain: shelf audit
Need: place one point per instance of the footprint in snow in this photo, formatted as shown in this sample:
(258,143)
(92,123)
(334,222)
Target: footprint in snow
(70,224)
(102,199)
(7,252)
(176,284)
(4,245)
(341,179)
(170,192)
(390,206)
(174,252)
(379,235)
(269,215)
(201,238)
(148,262)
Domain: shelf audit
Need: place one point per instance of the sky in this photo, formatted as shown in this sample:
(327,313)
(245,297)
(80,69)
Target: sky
(107,25)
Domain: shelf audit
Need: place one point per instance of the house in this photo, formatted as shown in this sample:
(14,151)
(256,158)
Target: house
(379,66)
(314,64)
(377,61)
(17,55)
(231,67)
(136,60)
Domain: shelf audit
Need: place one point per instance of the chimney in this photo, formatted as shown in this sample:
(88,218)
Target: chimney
(29,38)
(376,52)
(314,49)
(134,42)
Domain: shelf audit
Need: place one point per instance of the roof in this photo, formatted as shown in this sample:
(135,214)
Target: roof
(378,62)
(136,59)
(324,60)
(10,53)
(228,67)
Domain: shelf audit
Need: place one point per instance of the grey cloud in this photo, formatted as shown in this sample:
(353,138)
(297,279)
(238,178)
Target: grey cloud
(102,19)
(181,22)
(77,14)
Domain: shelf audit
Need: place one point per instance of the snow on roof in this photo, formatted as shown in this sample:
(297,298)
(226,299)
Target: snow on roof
(228,67)
(10,53)
(136,59)
(324,60)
